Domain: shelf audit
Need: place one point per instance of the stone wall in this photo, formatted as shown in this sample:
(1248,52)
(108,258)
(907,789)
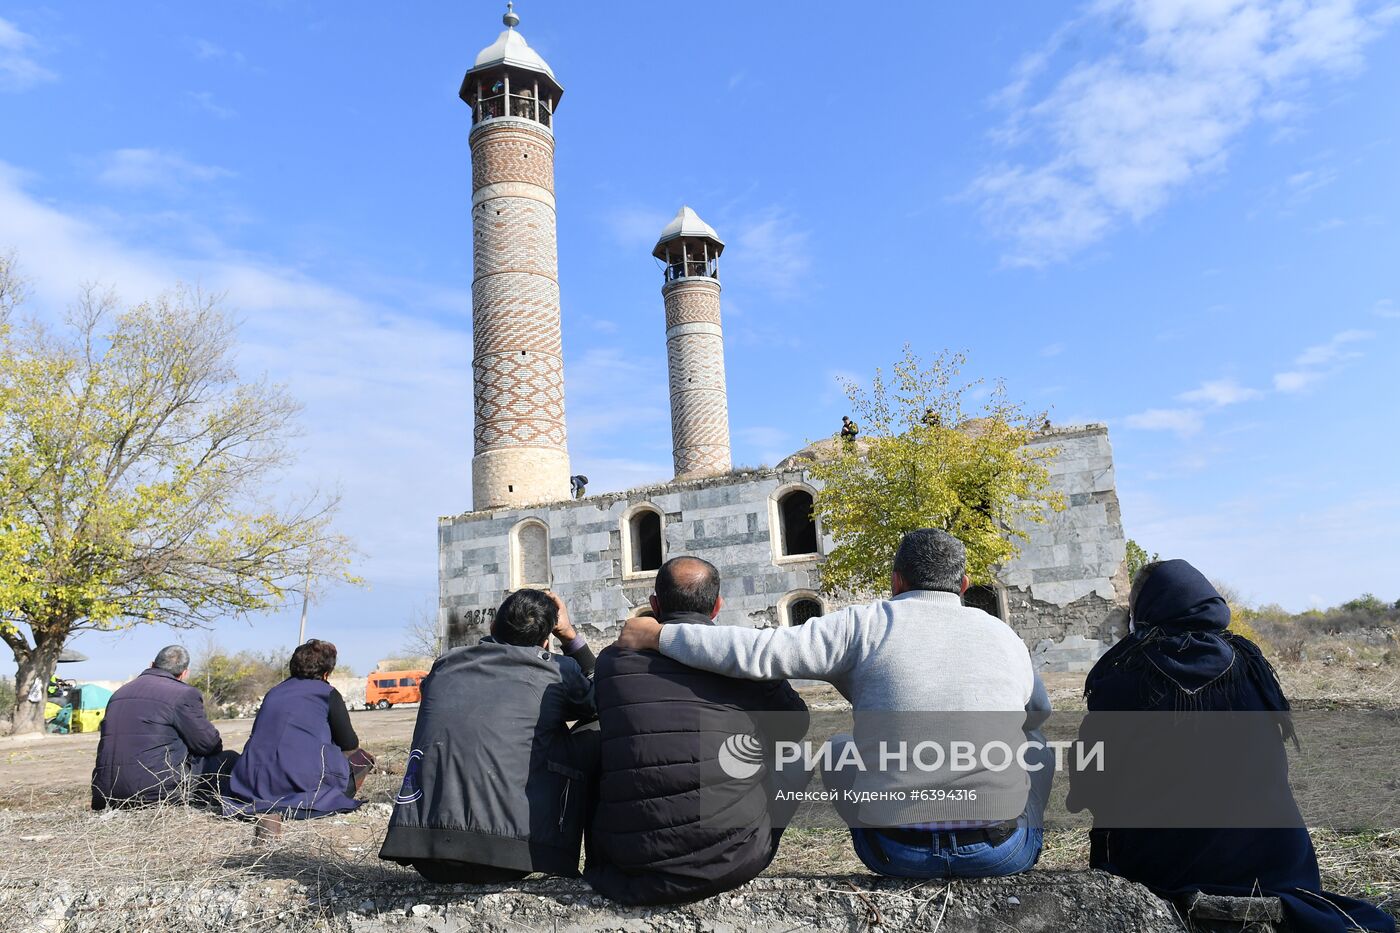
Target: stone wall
(1067,581)
(722,519)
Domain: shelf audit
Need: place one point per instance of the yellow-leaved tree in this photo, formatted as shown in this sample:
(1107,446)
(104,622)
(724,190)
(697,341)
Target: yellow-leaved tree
(925,458)
(135,478)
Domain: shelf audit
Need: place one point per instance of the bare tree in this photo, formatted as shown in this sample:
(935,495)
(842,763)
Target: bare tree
(134,475)
(420,641)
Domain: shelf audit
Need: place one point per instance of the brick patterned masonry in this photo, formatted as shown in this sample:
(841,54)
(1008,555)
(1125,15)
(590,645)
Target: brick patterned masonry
(520,452)
(1068,580)
(695,359)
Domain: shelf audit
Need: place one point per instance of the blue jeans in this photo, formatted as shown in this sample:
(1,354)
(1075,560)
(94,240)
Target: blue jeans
(935,859)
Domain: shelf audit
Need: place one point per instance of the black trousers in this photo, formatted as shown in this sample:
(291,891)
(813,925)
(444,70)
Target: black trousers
(209,776)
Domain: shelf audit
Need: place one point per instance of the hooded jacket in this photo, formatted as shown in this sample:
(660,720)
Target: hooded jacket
(671,825)
(490,779)
(152,727)
(1181,656)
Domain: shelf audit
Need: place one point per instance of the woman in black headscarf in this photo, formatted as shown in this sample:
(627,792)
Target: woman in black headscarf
(1178,657)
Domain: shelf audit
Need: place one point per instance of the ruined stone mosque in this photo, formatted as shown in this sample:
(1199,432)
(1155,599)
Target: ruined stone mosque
(600,553)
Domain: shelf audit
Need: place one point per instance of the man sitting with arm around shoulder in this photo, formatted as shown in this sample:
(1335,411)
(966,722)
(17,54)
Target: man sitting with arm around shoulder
(672,825)
(155,738)
(921,652)
(497,784)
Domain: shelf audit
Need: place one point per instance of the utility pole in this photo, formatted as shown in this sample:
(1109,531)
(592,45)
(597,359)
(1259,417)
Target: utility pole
(305,598)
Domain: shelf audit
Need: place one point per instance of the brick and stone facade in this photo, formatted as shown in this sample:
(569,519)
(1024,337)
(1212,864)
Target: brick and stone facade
(1068,581)
(520,452)
(1062,593)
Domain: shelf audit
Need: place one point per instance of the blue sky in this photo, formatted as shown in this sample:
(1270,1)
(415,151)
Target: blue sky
(1176,218)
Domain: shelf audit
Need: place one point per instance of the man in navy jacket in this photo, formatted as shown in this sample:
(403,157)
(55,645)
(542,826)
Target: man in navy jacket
(155,738)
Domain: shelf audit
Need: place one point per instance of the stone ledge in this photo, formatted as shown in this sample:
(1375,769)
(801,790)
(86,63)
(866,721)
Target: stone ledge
(1036,902)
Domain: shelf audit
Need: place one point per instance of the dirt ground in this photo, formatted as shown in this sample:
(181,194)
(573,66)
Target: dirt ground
(39,765)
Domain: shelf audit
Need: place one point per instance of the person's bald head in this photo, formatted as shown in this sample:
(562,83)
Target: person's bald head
(687,584)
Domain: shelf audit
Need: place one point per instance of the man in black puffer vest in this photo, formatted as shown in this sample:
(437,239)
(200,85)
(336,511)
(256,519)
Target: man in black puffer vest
(671,824)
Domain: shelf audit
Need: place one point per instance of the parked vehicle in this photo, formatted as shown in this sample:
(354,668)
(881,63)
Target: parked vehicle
(385,688)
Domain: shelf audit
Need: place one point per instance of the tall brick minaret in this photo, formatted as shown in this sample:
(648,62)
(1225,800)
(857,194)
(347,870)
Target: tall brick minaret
(517,361)
(690,249)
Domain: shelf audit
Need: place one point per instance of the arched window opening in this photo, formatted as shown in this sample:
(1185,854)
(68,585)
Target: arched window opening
(530,556)
(644,533)
(801,610)
(985,598)
(798,530)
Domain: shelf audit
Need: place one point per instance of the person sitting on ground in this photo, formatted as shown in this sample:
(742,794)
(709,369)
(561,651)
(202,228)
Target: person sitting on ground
(1180,656)
(156,743)
(497,785)
(672,825)
(303,759)
(921,651)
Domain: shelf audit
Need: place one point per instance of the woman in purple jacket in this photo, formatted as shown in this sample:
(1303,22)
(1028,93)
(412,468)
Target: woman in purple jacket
(303,759)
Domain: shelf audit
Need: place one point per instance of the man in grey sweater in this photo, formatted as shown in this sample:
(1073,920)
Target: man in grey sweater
(920,665)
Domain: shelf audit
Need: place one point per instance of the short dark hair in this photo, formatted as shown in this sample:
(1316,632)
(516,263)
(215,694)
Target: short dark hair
(525,617)
(1139,581)
(687,584)
(313,660)
(931,559)
(173,659)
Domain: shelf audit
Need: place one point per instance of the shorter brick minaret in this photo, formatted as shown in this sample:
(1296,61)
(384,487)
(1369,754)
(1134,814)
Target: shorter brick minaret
(690,250)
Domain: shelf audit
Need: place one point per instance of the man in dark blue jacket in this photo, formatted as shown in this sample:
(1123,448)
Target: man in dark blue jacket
(673,822)
(497,785)
(156,741)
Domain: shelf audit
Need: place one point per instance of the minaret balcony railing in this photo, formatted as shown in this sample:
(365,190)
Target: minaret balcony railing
(693,269)
(522,106)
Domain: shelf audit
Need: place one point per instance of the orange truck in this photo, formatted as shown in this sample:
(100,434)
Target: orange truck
(383,689)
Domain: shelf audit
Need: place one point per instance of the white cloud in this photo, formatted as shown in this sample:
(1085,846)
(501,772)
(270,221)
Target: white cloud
(600,427)
(1052,349)
(1295,380)
(766,443)
(154,169)
(1121,131)
(772,252)
(1385,308)
(18,68)
(1304,183)
(1321,360)
(1183,421)
(636,228)
(1335,350)
(1219,393)
(1272,541)
(386,394)
(207,51)
(204,100)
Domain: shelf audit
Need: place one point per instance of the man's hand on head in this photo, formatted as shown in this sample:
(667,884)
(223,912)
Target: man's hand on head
(564,628)
(640,634)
